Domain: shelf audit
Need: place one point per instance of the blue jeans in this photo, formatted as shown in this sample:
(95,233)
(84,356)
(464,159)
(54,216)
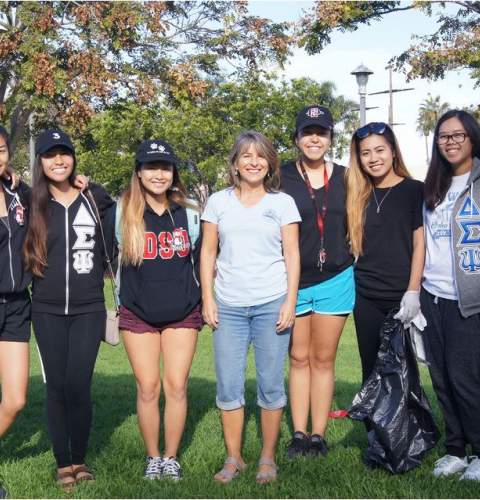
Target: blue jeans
(237,328)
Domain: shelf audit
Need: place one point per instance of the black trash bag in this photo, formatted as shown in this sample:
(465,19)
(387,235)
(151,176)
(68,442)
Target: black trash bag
(394,406)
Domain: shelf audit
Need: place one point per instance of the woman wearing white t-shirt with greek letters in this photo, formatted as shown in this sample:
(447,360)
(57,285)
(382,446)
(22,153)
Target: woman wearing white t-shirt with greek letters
(450,296)
(257,273)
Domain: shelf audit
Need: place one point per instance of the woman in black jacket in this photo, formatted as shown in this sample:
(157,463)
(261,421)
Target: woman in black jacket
(64,251)
(14,296)
(160,295)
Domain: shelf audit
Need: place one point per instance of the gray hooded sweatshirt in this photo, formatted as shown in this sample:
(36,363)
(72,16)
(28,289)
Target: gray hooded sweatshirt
(465,226)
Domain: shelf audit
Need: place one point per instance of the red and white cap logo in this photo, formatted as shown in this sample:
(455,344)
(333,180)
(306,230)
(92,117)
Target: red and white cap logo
(314,112)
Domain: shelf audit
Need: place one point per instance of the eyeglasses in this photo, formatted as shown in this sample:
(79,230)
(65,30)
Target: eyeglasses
(457,137)
(371,128)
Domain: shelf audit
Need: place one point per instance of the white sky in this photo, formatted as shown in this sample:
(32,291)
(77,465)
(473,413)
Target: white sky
(373,46)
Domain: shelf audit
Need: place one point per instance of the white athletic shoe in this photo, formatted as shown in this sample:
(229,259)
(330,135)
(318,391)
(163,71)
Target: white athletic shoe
(171,469)
(472,472)
(154,468)
(448,465)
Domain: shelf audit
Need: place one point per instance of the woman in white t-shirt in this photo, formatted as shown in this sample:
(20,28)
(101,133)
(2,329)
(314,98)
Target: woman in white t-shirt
(255,228)
(450,297)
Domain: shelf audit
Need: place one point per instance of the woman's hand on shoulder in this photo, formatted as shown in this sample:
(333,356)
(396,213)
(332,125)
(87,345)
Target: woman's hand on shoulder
(81,182)
(210,312)
(10,175)
(286,316)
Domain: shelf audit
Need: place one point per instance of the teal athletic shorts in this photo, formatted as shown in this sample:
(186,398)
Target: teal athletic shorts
(334,296)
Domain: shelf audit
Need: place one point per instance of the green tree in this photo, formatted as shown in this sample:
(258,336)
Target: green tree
(454,45)
(431,109)
(65,61)
(203,131)
(474,110)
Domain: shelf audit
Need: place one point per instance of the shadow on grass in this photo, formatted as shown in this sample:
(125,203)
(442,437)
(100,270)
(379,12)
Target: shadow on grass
(113,400)
(355,437)
(343,396)
(201,397)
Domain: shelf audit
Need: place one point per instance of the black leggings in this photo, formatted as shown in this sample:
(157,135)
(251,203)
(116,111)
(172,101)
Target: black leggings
(452,345)
(69,347)
(369,315)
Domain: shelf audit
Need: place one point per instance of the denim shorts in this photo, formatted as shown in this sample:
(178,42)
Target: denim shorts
(334,296)
(238,327)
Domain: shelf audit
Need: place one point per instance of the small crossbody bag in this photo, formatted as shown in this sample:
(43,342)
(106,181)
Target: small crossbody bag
(112,334)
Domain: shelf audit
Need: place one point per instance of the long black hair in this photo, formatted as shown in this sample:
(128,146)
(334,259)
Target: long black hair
(6,138)
(440,171)
(35,246)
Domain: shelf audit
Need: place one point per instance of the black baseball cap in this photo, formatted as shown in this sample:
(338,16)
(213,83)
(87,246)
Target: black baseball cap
(313,115)
(52,138)
(156,150)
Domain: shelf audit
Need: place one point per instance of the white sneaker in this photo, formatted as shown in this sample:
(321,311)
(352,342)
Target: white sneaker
(171,469)
(448,465)
(472,473)
(154,468)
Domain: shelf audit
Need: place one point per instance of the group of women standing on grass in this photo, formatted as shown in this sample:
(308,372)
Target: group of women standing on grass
(61,234)
(290,253)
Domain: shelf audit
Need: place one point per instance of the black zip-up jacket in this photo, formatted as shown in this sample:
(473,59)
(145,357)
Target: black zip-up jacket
(73,278)
(13,276)
(164,288)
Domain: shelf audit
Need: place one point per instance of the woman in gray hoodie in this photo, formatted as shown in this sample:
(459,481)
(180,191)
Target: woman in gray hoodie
(450,298)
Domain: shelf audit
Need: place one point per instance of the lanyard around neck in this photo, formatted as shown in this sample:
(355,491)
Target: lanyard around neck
(320,215)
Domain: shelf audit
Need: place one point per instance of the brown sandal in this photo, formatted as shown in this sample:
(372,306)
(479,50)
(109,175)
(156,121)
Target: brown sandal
(87,474)
(62,480)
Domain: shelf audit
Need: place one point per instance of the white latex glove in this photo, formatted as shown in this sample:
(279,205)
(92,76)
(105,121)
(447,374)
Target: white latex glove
(417,326)
(409,307)
(419,321)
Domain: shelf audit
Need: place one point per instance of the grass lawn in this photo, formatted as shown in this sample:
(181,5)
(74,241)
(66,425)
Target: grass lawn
(116,451)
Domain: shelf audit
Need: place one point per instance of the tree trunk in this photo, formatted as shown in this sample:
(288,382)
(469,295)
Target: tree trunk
(18,124)
(426,149)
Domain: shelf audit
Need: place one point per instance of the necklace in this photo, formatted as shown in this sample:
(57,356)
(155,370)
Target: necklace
(382,200)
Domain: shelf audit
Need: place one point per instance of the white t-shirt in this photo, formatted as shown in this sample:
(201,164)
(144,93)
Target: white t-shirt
(250,265)
(439,278)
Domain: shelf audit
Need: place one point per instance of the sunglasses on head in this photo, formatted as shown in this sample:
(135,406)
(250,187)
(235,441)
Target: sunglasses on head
(371,128)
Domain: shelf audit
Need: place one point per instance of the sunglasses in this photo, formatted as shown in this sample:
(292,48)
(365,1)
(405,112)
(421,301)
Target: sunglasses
(371,128)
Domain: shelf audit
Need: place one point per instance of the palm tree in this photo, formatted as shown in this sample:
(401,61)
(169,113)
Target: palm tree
(430,111)
(474,109)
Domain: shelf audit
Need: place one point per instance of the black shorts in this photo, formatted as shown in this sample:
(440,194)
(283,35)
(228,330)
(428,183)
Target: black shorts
(15,317)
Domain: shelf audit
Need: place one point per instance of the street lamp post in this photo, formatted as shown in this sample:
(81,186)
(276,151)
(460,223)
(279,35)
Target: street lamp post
(361,74)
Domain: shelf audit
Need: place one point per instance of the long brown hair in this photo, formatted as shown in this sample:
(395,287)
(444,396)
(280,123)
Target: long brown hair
(359,187)
(133,208)
(264,147)
(35,246)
